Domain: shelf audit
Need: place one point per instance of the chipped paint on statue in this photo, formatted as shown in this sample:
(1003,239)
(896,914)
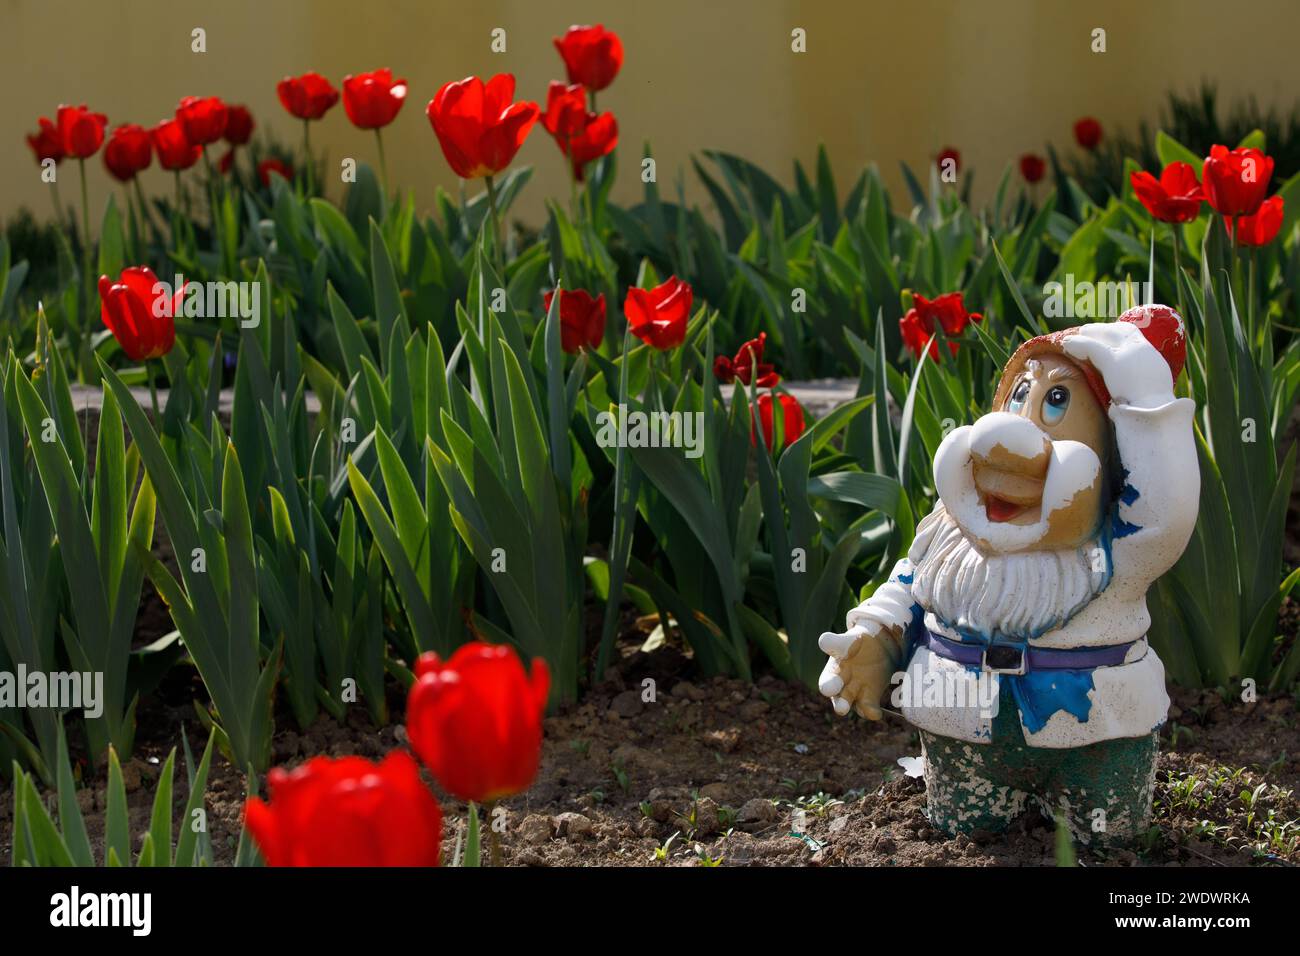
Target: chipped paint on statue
(1056,513)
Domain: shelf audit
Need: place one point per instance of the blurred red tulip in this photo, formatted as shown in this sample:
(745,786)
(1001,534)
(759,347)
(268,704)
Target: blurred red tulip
(478,126)
(792,420)
(1087,132)
(658,316)
(476,720)
(592,55)
(347,811)
(947,311)
(581,135)
(46,143)
(582,318)
(175,151)
(308,97)
(128,151)
(139,313)
(81,131)
(239,125)
(268,166)
(1236,181)
(203,118)
(1262,227)
(1175,197)
(948,153)
(741,368)
(1032,167)
(372,100)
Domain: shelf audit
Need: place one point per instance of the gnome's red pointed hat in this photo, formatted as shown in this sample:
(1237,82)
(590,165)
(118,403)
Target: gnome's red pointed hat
(1159,324)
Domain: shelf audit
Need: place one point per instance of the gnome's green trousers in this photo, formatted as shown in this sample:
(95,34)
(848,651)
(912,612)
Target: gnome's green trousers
(1103,790)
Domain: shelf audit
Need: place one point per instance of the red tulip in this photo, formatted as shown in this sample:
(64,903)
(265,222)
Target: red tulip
(658,316)
(581,135)
(947,310)
(748,358)
(128,152)
(175,151)
(948,152)
(1175,197)
(478,126)
(1032,168)
(1236,181)
(47,143)
(476,720)
(347,811)
(1261,228)
(82,131)
(239,125)
(372,100)
(592,55)
(227,161)
(268,166)
(582,318)
(792,421)
(203,118)
(1087,132)
(138,312)
(308,97)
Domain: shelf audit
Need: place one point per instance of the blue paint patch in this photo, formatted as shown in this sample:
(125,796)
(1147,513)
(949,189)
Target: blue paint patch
(904,579)
(1129,494)
(1040,694)
(1122,529)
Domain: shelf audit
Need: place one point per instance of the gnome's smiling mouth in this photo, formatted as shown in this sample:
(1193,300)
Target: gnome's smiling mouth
(1006,493)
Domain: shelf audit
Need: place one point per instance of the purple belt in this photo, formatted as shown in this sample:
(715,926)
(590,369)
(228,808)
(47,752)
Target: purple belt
(1020,658)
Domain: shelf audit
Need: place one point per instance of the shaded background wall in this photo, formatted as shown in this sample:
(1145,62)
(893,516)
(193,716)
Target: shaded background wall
(879,82)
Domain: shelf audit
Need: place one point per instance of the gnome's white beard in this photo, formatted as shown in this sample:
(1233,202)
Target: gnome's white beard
(1019,595)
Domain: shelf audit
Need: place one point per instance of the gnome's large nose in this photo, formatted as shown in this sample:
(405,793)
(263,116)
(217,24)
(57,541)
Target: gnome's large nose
(1009,459)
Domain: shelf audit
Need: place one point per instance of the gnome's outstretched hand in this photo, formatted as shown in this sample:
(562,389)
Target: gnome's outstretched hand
(862,660)
(1135,372)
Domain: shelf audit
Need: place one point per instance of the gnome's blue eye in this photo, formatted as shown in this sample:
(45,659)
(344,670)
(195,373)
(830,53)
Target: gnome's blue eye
(1055,403)
(1019,395)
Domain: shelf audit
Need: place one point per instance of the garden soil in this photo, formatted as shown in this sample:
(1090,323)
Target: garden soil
(658,766)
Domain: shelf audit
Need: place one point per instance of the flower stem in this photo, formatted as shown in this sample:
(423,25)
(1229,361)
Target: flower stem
(383,164)
(1178,271)
(153,397)
(306,148)
(88,283)
(496,223)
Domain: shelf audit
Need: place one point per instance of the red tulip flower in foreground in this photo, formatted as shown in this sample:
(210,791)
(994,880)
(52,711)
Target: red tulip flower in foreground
(1175,197)
(1236,181)
(347,811)
(592,55)
(128,152)
(658,316)
(582,318)
(239,125)
(268,166)
(137,311)
(749,357)
(203,118)
(81,131)
(175,151)
(1032,168)
(307,97)
(372,100)
(47,143)
(1087,132)
(478,125)
(580,134)
(476,720)
(947,311)
(1261,228)
(792,420)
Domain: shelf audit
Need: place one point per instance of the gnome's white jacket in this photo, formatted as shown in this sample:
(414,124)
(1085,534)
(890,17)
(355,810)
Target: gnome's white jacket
(1157,512)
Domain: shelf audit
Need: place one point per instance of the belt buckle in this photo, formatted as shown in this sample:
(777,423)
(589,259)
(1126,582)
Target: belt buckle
(1005,658)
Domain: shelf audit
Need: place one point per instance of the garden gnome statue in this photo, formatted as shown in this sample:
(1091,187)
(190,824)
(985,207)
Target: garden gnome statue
(1014,632)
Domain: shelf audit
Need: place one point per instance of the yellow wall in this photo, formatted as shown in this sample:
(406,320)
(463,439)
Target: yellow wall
(880,81)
